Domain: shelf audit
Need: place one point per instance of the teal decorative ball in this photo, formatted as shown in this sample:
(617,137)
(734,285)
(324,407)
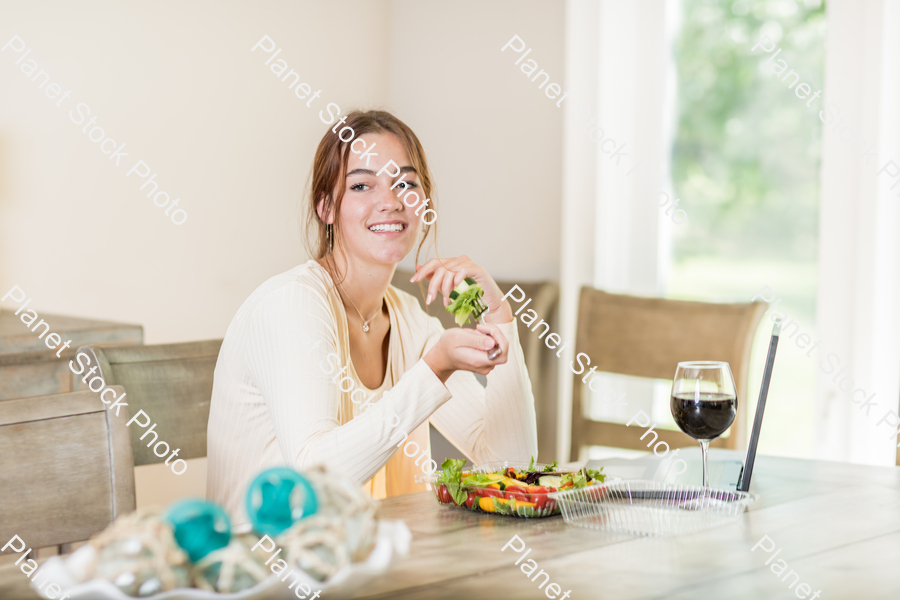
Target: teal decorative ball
(278,498)
(199,526)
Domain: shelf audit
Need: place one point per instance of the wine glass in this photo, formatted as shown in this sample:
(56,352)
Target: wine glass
(704,402)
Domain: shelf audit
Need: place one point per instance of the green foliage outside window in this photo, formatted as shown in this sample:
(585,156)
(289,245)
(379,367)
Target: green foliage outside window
(747,149)
(745,164)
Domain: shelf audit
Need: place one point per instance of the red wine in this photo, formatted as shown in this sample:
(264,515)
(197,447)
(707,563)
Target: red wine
(703,416)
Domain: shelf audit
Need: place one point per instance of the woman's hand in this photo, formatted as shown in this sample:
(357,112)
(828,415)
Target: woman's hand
(463,349)
(449,273)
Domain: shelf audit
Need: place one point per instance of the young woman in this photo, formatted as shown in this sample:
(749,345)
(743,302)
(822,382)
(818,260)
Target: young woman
(309,345)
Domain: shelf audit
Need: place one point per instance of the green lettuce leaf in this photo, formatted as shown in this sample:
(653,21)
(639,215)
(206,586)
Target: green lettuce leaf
(464,305)
(580,479)
(451,476)
(525,511)
(502,506)
(478,480)
(597,475)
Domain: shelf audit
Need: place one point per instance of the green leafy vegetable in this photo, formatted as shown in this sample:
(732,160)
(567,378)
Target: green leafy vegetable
(551,467)
(525,511)
(531,465)
(465,302)
(478,480)
(580,479)
(502,506)
(451,476)
(597,475)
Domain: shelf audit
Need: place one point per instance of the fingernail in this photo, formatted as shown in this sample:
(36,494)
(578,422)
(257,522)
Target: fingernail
(428,299)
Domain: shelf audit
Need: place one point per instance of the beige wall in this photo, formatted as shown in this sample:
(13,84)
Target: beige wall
(494,140)
(178,84)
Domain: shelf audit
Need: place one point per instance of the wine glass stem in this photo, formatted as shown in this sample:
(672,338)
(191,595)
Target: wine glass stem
(704,450)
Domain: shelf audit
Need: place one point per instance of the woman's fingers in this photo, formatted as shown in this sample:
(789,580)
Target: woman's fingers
(425,271)
(440,276)
(478,344)
(434,285)
(446,274)
(494,333)
(450,281)
(467,349)
(477,362)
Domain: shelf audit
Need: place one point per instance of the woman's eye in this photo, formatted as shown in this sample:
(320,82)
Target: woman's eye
(407,185)
(359,187)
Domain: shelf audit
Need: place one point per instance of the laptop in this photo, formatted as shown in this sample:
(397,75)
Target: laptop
(727,474)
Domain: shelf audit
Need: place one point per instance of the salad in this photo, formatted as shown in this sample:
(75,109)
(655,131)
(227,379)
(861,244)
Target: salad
(466,300)
(508,490)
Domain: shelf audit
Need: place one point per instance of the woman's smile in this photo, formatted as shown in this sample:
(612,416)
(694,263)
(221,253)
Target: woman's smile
(389,229)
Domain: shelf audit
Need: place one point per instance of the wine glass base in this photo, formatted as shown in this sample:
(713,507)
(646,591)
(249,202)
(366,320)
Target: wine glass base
(705,499)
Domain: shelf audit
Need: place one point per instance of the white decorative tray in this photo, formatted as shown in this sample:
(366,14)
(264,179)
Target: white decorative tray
(391,545)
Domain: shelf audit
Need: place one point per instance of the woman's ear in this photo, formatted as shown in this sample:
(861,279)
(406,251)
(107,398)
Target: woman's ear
(325,211)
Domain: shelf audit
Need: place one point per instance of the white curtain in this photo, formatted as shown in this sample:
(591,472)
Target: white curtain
(615,158)
(859,221)
(618,66)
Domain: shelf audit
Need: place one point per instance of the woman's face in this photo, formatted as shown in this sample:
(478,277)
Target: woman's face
(375,223)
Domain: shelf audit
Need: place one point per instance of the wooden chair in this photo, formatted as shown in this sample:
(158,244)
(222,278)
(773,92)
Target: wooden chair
(66,467)
(28,367)
(539,360)
(172,383)
(648,337)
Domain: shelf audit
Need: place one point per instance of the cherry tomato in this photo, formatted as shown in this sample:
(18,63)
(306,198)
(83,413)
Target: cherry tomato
(543,502)
(444,494)
(537,489)
(472,499)
(489,492)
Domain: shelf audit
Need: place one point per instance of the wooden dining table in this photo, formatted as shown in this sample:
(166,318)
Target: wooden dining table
(836,525)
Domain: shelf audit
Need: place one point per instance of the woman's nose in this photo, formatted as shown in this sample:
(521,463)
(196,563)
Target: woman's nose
(388,199)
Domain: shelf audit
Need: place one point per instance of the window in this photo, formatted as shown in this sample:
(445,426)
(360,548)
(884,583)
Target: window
(745,164)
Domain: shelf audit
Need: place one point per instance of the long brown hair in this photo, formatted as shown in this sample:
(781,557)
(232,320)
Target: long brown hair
(330,168)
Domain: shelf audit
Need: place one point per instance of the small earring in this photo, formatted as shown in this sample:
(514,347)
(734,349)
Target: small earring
(329,233)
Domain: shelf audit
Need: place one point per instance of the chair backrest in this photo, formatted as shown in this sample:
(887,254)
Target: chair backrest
(33,366)
(66,468)
(648,337)
(172,383)
(541,365)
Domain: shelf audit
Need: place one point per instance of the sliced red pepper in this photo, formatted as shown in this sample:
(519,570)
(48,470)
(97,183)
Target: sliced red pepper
(516,492)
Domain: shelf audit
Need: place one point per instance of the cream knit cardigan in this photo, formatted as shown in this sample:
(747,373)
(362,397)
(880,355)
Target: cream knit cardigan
(273,405)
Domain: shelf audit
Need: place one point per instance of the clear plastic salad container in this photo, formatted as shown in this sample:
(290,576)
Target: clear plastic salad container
(651,507)
(505,495)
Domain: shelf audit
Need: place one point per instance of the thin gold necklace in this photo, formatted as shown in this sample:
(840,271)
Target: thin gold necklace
(365,321)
